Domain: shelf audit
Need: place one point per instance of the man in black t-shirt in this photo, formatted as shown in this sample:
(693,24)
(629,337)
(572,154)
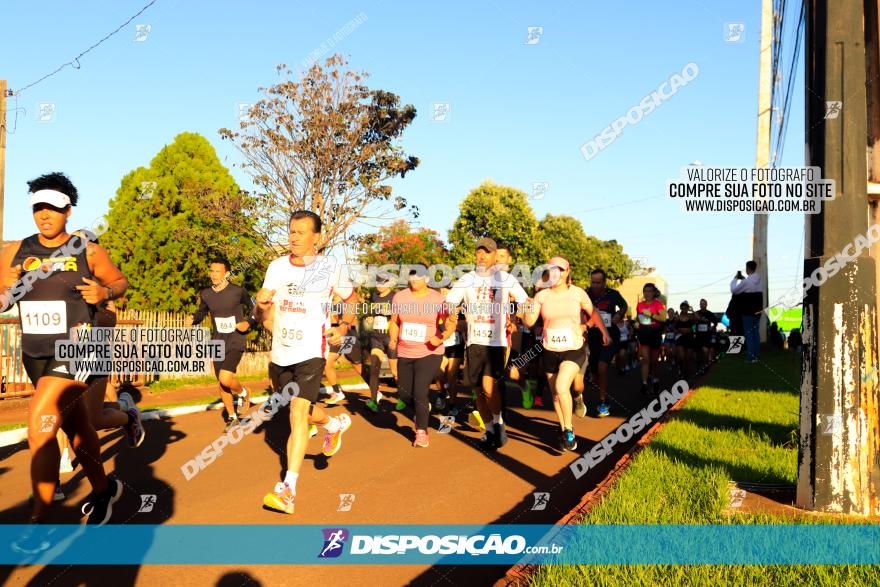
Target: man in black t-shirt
(706,324)
(231,310)
(611,307)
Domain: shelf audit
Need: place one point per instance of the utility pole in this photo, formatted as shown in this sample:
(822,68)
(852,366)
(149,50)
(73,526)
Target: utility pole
(839,447)
(2,150)
(762,152)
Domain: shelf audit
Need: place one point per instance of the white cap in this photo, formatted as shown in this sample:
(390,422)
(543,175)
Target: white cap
(51,197)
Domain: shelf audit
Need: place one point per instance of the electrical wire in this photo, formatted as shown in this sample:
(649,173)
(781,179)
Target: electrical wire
(74,63)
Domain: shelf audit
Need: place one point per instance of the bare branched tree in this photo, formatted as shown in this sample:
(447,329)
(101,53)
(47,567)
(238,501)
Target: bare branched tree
(327,144)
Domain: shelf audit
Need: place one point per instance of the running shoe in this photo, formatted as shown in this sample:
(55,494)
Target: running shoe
(580,408)
(500,434)
(230,424)
(528,400)
(487,442)
(135,428)
(281,499)
(399,406)
(125,401)
(313,431)
(99,507)
(244,405)
(440,403)
(421,440)
(476,420)
(372,405)
(570,442)
(66,465)
(539,401)
(335,398)
(604,410)
(35,538)
(333,440)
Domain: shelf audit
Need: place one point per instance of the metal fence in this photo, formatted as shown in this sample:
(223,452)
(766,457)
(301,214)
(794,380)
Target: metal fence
(14,382)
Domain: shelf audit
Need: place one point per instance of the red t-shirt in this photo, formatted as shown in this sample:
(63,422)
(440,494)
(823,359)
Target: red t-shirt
(419,320)
(643,311)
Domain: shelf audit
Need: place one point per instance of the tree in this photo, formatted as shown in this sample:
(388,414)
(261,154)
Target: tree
(164,226)
(564,235)
(501,213)
(398,243)
(327,144)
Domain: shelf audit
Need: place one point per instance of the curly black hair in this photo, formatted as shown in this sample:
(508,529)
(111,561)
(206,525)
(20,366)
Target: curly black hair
(55,181)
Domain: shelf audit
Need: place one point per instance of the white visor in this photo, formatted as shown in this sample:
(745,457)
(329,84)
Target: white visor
(50,197)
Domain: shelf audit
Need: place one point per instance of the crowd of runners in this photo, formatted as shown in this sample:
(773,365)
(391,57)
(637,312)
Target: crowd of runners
(484,333)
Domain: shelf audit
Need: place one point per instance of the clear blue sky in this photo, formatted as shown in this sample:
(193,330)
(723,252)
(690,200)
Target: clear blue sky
(519,112)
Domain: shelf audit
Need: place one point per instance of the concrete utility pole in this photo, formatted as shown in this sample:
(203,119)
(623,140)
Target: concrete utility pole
(2,149)
(762,152)
(839,449)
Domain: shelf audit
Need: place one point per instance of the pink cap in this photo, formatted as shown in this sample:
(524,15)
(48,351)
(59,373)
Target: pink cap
(558,262)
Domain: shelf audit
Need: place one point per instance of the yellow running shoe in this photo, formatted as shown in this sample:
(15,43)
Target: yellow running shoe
(476,420)
(281,499)
(333,440)
(313,431)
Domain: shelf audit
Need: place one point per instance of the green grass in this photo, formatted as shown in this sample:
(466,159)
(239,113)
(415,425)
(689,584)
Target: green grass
(170,384)
(741,426)
(12,426)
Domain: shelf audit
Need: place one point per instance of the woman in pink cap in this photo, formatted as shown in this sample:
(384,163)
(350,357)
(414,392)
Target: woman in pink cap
(560,307)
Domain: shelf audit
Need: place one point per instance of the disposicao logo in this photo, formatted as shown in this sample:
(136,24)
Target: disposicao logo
(334,540)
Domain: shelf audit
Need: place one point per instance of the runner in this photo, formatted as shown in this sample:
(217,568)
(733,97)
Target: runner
(622,359)
(707,323)
(109,415)
(485,293)
(54,295)
(564,348)
(685,339)
(667,352)
(380,310)
(224,301)
(294,304)
(611,309)
(417,337)
(350,347)
(651,314)
(450,367)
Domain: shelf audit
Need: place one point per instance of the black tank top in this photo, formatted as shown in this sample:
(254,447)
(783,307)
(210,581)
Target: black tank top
(52,306)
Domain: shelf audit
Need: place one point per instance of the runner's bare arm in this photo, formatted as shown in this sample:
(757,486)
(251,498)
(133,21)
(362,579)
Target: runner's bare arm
(109,282)
(532,313)
(450,323)
(265,311)
(393,331)
(9,274)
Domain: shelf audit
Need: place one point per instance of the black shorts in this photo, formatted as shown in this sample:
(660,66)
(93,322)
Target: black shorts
(230,361)
(599,352)
(650,337)
(39,367)
(703,340)
(382,341)
(307,375)
(551,360)
(484,361)
(353,353)
(688,340)
(454,352)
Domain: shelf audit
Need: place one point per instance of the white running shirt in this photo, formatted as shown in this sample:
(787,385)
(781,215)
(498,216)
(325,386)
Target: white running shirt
(487,300)
(303,295)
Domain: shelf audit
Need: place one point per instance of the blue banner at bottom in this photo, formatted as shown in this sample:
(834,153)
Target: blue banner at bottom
(428,544)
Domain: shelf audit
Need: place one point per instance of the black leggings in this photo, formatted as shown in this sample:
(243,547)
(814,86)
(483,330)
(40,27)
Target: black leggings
(414,377)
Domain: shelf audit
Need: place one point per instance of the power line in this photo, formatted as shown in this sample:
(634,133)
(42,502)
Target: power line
(75,62)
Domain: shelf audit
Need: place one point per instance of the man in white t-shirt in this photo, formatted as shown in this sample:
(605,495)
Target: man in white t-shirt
(294,304)
(487,293)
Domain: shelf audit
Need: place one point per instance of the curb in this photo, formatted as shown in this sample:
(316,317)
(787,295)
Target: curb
(519,575)
(12,437)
